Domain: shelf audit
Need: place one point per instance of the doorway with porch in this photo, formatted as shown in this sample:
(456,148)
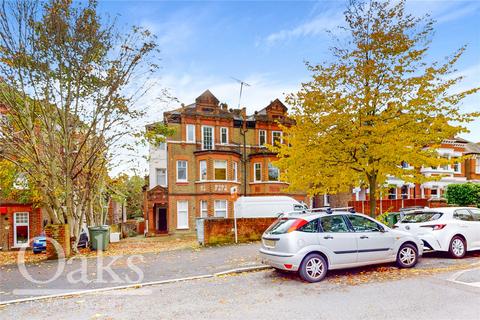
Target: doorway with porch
(161,221)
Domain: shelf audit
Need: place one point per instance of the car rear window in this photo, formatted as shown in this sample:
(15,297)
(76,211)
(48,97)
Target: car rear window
(281,226)
(418,217)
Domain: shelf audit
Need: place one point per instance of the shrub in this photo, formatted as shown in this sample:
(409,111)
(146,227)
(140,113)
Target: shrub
(466,194)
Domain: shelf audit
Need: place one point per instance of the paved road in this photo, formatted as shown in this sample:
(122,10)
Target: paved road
(167,265)
(154,267)
(270,295)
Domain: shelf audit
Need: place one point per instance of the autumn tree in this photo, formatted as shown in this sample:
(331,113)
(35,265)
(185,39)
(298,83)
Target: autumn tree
(129,189)
(70,82)
(376,103)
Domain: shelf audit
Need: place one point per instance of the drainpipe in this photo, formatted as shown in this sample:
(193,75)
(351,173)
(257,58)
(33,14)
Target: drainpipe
(243,132)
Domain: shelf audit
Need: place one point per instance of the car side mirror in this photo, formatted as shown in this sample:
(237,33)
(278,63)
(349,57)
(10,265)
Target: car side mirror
(382,229)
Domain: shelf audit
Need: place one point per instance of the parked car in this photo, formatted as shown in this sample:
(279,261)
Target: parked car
(455,230)
(40,242)
(314,243)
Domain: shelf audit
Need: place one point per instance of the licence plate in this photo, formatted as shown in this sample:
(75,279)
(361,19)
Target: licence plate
(269,243)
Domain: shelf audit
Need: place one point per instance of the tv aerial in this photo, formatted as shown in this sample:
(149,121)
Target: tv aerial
(242,83)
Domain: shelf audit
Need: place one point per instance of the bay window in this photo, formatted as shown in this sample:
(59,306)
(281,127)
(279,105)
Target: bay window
(258,172)
(203,170)
(273,173)
(220,167)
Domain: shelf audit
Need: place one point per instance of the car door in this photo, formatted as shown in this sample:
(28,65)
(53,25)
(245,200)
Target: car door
(337,237)
(476,227)
(466,226)
(374,243)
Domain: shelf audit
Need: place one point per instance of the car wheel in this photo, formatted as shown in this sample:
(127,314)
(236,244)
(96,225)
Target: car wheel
(457,248)
(313,268)
(407,256)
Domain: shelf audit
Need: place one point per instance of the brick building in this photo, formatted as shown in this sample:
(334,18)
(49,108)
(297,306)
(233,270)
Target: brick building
(19,223)
(466,169)
(213,150)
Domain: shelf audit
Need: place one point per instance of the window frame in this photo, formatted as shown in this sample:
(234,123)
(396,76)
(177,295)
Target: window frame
(345,221)
(455,166)
(271,166)
(477,165)
(455,215)
(200,178)
(193,132)
(380,227)
(203,211)
(212,138)
(186,171)
(235,171)
(157,170)
(273,136)
(260,137)
(215,208)
(215,170)
(182,227)
(221,135)
(21,224)
(255,171)
(318,230)
(390,194)
(475,212)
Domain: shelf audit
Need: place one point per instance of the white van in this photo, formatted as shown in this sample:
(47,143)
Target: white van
(266,207)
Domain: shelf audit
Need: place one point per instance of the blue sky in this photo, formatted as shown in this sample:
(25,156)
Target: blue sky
(265,43)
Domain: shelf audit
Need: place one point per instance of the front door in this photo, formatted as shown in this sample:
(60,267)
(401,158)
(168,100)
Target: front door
(373,243)
(337,237)
(20,229)
(161,223)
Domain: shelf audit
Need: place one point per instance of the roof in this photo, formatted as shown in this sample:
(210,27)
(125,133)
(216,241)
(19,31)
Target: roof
(472,148)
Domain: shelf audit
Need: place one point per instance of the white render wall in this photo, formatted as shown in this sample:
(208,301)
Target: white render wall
(158,160)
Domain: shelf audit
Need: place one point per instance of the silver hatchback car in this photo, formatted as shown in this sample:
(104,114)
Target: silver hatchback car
(314,243)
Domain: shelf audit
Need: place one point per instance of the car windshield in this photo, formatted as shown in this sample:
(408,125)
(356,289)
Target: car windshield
(417,217)
(281,226)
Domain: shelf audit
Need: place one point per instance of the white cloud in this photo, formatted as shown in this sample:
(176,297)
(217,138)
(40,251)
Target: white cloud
(328,20)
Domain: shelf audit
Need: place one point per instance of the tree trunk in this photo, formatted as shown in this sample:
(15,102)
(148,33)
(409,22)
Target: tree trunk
(372,186)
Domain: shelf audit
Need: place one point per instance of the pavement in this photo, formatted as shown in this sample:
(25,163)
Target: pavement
(268,295)
(92,273)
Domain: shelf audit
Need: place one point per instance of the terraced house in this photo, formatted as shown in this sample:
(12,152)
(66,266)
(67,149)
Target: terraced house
(215,150)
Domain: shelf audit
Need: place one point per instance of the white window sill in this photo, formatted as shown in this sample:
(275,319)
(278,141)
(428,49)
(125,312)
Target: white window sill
(271,182)
(183,228)
(217,181)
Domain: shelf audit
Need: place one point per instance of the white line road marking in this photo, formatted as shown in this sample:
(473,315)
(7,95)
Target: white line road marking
(131,286)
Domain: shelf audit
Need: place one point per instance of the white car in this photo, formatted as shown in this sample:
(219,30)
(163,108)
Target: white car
(314,243)
(451,229)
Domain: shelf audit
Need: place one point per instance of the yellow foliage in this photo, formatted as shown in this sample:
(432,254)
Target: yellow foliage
(376,104)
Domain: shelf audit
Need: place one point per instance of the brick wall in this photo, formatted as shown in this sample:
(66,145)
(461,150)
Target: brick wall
(61,234)
(218,231)
(34,218)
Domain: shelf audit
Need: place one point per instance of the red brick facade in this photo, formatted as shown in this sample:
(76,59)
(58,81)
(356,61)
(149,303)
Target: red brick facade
(214,151)
(8,227)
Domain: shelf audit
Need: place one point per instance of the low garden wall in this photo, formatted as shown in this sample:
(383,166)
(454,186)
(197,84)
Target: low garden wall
(217,231)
